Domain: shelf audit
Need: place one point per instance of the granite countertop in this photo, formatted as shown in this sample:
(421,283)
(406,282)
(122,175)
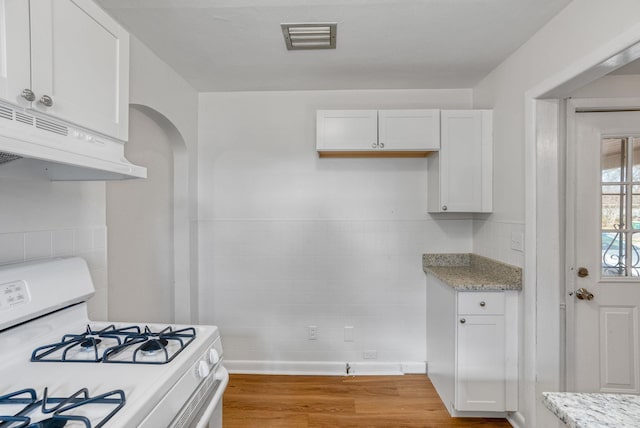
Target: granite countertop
(584,410)
(472,272)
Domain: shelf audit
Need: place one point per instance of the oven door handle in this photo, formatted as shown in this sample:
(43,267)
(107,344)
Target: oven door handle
(222,375)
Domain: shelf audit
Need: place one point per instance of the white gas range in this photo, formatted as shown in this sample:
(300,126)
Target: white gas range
(59,369)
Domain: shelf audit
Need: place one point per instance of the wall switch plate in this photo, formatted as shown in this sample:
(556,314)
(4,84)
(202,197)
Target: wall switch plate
(517,241)
(370,355)
(312,332)
(348,333)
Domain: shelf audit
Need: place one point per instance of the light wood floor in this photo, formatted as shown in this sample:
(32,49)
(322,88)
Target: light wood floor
(339,401)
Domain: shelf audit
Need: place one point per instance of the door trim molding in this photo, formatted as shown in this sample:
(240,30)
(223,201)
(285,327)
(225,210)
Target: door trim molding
(542,368)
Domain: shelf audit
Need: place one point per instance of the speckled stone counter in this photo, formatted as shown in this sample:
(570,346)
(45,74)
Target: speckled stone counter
(578,410)
(472,272)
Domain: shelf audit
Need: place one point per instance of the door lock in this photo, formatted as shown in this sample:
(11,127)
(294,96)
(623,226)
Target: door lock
(583,272)
(584,294)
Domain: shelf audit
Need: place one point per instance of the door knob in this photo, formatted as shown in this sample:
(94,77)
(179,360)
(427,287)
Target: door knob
(584,294)
(582,272)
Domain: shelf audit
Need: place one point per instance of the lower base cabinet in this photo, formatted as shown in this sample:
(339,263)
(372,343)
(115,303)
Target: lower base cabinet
(472,348)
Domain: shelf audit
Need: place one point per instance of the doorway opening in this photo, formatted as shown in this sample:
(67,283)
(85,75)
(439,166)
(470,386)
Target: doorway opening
(548,268)
(148,225)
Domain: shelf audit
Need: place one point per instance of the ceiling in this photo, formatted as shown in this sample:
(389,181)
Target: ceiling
(237,45)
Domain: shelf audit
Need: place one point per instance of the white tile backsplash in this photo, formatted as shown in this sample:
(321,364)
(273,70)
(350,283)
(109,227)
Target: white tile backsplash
(31,245)
(41,244)
(37,245)
(11,247)
(62,242)
(83,239)
(493,239)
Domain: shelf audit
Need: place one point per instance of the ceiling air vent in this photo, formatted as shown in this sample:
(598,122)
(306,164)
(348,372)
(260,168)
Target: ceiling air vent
(310,35)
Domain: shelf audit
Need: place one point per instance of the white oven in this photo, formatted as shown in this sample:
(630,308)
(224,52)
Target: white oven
(63,370)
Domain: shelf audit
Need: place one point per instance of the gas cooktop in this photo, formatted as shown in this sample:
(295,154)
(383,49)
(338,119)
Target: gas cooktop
(132,344)
(24,408)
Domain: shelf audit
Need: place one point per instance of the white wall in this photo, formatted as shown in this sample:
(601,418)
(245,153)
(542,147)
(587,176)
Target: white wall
(289,240)
(140,229)
(572,35)
(40,219)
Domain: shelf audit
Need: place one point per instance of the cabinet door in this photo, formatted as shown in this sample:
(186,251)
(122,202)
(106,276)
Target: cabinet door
(409,129)
(80,58)
(14,51)
(480,371)
(465,159)
(347,130)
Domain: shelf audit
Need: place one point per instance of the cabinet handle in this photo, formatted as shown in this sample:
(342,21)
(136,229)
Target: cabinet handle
(462,320)
(483,304)
(381,145)
(28,95)
(46,100)
(374,145)
(444,208)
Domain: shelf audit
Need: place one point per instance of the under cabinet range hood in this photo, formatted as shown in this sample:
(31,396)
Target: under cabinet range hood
(58,151)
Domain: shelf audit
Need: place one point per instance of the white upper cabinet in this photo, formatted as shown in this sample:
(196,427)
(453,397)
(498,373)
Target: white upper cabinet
(377,132)
(78,58)
(460,175)
(409,129)
(347,130)
(15,74)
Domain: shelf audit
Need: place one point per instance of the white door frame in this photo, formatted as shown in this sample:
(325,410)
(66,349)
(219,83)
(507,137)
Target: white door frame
(544,246)
(570,204)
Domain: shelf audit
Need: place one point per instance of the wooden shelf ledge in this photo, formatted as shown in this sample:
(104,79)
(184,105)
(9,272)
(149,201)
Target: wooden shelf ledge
(375,154)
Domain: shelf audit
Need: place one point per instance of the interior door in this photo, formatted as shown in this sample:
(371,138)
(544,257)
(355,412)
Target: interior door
(603,348)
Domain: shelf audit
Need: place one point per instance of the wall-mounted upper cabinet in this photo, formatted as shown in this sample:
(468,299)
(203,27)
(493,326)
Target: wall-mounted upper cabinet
(460,175)
(377,133)
(67,59)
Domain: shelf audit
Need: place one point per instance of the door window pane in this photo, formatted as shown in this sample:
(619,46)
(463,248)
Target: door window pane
(635,172)
(620,206)
(634,268)
(613,207)
(613,165)
(635,207)
(613,254)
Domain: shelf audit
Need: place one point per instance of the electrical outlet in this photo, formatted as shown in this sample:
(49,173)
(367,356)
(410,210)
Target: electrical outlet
(517,241)
(348,333)
(312,332)
(370,355)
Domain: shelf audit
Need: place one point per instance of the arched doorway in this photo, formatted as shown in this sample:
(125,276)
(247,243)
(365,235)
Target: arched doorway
(147,224)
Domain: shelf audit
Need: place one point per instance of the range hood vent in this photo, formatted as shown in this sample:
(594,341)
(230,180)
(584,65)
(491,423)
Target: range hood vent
(62,152)
(310,35)
(7,157)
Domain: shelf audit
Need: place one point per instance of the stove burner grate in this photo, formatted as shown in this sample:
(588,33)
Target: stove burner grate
(147,346)
(150,344)
(60,408)
(86,342)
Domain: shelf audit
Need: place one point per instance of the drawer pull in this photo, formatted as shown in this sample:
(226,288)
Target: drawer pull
(462,320)
(483,304)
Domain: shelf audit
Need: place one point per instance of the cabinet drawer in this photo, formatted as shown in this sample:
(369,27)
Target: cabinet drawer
(481,303)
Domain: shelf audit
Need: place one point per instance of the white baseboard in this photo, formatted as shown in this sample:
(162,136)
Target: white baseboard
(327,368)
(516,419)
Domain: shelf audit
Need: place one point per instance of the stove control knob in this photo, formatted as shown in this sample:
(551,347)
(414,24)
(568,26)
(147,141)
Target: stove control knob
(214,357)
(203,369)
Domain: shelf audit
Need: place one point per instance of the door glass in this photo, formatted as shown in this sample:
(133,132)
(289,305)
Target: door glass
(613,207)
(620,206)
